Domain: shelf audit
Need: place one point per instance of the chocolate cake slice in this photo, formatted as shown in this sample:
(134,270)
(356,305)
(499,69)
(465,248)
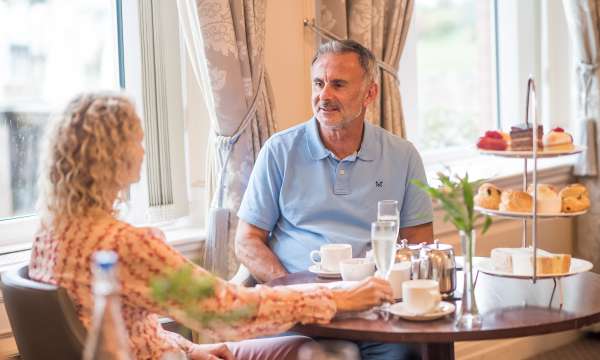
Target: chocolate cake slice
(522,137)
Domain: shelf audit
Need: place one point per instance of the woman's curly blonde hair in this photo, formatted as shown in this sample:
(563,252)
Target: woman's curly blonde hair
(87,156)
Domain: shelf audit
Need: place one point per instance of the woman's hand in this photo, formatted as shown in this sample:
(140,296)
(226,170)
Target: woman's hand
(363,296)
(210,352)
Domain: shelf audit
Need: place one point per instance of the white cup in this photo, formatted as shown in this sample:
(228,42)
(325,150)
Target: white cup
(399,274)
(421,296)
(331,255)
(356,269)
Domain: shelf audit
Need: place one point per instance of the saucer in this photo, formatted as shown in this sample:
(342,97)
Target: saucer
(444,308)
(316,269)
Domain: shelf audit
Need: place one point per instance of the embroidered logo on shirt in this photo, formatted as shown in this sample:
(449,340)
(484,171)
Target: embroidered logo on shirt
(379,183)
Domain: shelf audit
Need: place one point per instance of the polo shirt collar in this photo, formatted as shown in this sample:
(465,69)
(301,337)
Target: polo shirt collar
(316,148)
(318,151)
(368,145)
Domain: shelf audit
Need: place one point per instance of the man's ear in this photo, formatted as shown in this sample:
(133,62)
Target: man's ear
(371,93)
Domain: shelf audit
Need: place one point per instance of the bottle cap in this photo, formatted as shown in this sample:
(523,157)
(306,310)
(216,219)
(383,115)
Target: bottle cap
(106,260)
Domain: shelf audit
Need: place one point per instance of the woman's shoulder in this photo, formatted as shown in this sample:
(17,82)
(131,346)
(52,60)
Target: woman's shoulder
(145,238)
(148,232)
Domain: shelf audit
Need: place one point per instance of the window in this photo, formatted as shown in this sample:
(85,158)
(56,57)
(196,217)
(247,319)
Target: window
(455,72)
(464,70)
(49,51)
(55,49)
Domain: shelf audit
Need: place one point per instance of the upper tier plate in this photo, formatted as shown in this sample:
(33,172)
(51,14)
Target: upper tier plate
(577,266)
(529,154)
(520,215)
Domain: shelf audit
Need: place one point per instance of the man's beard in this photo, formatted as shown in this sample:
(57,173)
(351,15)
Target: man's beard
(343,123)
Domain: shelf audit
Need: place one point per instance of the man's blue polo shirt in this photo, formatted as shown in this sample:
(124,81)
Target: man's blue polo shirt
(305,197)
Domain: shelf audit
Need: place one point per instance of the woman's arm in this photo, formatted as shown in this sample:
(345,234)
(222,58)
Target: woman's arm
(268,310)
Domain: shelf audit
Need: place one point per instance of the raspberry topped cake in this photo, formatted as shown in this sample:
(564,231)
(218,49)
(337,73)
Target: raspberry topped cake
(492,140)
(558,140)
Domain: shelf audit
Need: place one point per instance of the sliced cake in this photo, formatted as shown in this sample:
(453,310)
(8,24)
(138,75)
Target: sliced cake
(522,137)
(519,261)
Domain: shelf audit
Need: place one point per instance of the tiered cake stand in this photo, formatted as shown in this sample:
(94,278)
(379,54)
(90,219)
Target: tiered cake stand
(577,265)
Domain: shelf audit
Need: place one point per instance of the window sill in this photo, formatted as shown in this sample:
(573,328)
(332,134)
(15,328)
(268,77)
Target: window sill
(501,171)
(186,239)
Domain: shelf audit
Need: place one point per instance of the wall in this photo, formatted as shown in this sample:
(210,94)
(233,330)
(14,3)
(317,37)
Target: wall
(289,49)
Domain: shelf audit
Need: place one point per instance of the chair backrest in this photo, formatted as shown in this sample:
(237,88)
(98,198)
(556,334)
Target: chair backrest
(42,317)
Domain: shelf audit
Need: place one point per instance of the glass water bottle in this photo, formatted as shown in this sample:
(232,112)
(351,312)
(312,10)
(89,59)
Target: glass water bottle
(107,338)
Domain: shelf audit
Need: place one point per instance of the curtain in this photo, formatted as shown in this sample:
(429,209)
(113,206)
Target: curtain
(381,26)
(225,41)
(583,20)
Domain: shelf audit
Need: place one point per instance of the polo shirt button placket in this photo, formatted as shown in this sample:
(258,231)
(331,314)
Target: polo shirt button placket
(342,184)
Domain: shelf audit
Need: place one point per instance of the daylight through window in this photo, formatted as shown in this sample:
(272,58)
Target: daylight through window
(50,50)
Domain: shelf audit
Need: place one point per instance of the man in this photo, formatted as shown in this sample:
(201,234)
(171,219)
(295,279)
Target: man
(319,182)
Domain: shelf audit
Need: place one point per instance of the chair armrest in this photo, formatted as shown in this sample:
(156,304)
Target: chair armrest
(173,326)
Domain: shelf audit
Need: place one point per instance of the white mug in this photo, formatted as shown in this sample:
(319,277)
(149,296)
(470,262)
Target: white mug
(356,269)
(421,296)
(399,274)
(331,255)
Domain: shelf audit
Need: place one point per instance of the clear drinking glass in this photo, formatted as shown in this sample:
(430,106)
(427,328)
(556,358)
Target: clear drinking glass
(383,241)
(387,210)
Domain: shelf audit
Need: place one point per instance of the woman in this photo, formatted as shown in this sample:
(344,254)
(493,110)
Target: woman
(94,151)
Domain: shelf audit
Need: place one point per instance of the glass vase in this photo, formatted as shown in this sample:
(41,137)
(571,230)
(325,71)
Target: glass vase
(468,315)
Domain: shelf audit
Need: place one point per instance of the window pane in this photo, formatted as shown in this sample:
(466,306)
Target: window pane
(455,72)
(50,50)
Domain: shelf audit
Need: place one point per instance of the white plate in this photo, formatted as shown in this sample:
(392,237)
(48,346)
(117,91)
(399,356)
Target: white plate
(444,308)
(577,266)
(519,215)
(316,269)
(529,154)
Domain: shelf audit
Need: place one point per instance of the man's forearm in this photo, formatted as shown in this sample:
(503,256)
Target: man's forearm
(260,260)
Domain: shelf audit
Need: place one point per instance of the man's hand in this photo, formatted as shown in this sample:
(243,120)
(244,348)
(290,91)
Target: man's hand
(363,296)
(210,352)
(252,250)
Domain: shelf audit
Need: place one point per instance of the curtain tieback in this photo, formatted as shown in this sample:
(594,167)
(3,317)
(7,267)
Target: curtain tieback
(586,68)
(587,71)
(331,36)
(226,142)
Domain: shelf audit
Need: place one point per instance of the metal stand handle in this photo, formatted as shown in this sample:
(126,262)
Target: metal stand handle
(532,108)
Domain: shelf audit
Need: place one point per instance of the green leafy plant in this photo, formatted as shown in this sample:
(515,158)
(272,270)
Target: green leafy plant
(456,198)
(184,290)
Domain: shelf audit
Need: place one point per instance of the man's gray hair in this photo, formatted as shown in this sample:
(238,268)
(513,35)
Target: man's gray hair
(367,60)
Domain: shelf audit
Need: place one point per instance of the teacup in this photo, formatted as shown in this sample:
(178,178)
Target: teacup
(356,269)
(421,296)
(399,274)
(331,255)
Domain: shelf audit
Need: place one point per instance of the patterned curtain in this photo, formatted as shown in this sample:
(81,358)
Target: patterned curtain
(225,40)
(382,26)
(583,20)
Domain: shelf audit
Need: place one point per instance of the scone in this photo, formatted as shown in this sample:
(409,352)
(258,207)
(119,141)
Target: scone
(574,198)
(488,196)
(548,200)
(516,201)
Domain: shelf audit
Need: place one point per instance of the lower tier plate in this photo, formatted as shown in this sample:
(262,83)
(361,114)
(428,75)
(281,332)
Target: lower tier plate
(577,266)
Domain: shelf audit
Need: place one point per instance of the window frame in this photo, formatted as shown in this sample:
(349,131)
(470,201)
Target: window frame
(533,23)
(162,18)
(408,74)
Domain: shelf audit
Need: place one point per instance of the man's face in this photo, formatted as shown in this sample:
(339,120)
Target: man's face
(340,92)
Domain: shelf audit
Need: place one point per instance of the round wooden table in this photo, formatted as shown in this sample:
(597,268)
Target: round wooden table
(510,308)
